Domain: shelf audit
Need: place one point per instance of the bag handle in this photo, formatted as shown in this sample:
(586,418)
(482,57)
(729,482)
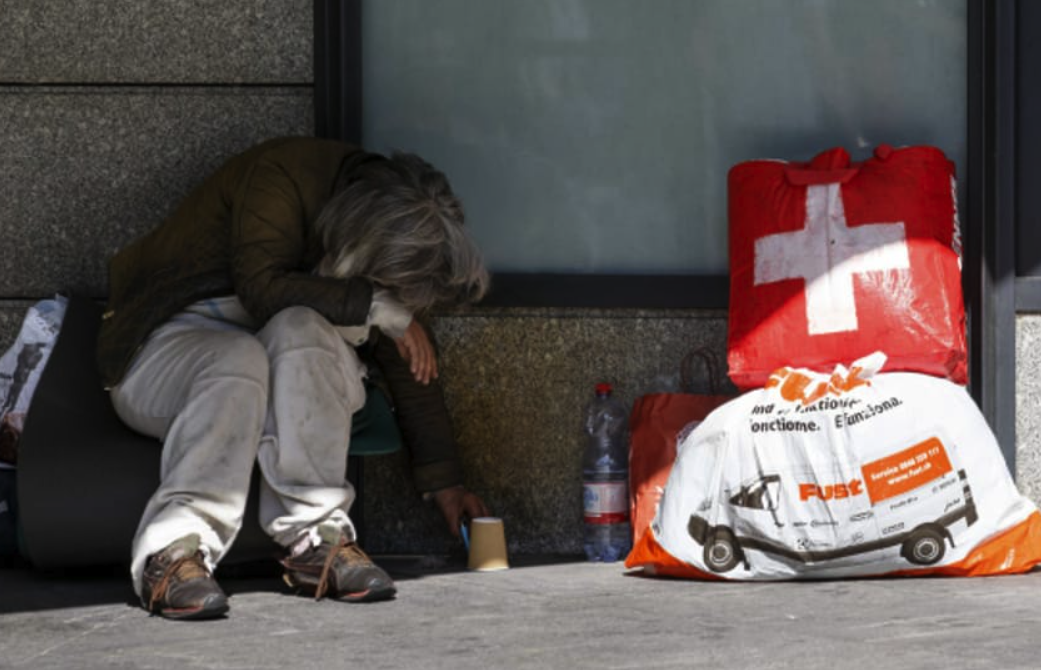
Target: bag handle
(828,167)
(707,356)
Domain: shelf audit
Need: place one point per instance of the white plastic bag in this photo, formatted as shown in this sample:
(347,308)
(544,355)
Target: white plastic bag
(853,473)
(21,367)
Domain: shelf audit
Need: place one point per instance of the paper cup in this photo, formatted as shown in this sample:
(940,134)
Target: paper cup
(487,544)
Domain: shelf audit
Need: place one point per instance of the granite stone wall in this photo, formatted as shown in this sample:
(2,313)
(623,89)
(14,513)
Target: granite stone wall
(516,382)
(113,111)
(1028,405)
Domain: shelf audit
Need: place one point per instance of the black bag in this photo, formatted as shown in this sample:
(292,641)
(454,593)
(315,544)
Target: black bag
(8,513)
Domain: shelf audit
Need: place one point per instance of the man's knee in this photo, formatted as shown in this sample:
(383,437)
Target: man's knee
(242,357)
(298,317)
(304,331)
(298,327)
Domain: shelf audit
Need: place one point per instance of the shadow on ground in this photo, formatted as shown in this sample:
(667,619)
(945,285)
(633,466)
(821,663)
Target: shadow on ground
(24,589)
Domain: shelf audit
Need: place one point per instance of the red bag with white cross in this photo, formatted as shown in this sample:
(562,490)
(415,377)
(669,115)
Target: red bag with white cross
(831,260)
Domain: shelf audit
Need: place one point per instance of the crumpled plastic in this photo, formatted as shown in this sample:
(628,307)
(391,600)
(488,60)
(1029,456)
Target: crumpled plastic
(21,367)
(851,473)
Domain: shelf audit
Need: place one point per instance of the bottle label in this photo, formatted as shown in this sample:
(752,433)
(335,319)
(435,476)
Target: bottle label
(605,502)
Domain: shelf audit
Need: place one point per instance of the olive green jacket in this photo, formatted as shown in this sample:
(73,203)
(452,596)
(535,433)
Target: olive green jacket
(248,230)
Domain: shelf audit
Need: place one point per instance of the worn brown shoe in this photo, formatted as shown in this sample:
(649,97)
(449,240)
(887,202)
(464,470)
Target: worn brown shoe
(178,585)
(341,571)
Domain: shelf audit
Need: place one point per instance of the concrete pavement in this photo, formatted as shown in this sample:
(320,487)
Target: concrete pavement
(548,613)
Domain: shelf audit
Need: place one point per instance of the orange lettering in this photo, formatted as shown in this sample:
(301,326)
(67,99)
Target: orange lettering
(776,377)
(831,491)
(796,387)
(849,383)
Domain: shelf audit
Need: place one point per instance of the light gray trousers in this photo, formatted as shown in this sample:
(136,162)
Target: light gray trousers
(222,398)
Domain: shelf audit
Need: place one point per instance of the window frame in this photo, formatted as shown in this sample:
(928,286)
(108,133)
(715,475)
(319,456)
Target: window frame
(988,222)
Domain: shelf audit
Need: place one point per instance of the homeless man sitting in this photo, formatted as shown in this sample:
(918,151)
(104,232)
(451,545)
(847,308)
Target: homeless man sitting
(231,332)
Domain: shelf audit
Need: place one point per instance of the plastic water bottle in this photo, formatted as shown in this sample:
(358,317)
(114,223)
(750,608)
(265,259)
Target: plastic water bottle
(605,478)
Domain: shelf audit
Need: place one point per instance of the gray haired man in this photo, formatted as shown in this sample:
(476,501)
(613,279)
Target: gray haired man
(231,334)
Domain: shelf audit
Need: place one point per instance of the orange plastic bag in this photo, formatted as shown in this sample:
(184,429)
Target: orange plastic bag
(655,425)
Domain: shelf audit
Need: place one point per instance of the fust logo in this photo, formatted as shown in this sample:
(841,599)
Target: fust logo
(794,386)
(831,491)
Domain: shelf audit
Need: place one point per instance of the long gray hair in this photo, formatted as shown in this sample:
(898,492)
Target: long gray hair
(397,223)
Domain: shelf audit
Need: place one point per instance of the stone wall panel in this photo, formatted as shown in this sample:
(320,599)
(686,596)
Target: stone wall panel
(156,41)
(84,171)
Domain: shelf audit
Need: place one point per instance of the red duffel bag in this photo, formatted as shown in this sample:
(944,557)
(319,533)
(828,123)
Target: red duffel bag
(831,260)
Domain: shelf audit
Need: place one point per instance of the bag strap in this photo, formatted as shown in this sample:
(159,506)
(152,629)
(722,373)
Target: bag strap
(708,357)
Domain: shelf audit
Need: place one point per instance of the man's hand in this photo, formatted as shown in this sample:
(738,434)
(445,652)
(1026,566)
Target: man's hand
(415,347)
(458,505)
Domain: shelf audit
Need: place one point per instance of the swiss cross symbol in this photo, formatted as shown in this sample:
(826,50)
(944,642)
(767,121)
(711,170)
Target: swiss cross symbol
(826,254)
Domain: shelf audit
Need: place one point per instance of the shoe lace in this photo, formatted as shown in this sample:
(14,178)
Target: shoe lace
(349,552)
(183,569)
(330,558)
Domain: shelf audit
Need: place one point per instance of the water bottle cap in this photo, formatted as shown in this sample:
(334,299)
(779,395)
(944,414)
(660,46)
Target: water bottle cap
(603,388)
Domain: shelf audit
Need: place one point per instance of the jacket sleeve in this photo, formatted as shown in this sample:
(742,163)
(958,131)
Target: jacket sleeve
(268,248)
(423,420)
